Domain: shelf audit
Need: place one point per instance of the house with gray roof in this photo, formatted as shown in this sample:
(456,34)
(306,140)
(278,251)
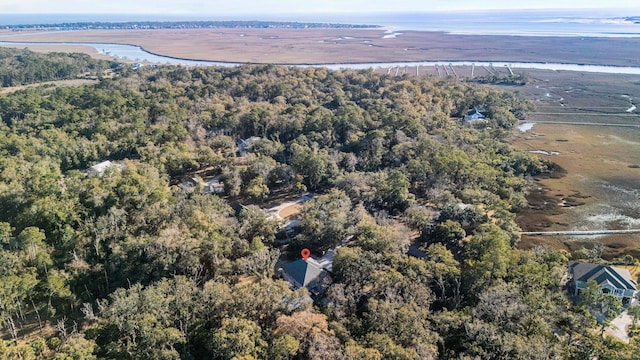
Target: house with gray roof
(209,186)
(214,185)
(246,145)
(308,273)
(474,115)
(611,279)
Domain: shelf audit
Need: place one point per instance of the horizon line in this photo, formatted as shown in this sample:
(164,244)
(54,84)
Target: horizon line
(351,12)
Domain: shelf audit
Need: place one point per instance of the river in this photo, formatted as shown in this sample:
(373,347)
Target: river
(136,53)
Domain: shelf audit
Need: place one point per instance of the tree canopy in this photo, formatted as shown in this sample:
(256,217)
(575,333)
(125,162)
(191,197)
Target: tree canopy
(128,263)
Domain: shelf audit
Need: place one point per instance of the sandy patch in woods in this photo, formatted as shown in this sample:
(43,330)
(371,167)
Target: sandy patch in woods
(290,211)
(352,45)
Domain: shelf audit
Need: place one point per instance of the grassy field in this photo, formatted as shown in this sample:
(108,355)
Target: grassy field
(321,46)
(598,183)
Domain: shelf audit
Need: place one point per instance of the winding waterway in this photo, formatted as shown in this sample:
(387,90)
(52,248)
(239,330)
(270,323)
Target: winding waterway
(136,53)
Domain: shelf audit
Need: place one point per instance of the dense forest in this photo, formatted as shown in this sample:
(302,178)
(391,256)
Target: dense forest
(126,263)
(28,67)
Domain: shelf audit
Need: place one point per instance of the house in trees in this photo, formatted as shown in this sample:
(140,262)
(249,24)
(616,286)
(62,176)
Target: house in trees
(214,185)
(100,168)
(189,184)
(246,145)
(310,273)
(474,115)
(210,186)
(611,279)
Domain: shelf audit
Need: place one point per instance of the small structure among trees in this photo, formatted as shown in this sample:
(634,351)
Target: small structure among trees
(308,273)
(474,115)
(246,145)
(99,168)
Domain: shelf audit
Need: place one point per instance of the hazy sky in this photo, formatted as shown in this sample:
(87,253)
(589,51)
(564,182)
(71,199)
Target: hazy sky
(213,7)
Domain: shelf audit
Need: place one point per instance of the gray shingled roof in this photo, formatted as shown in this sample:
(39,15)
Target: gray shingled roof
(603,274)
(304,272)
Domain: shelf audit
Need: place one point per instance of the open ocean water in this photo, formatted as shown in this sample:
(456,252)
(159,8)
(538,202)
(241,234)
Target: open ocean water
(526,23)
(520,22)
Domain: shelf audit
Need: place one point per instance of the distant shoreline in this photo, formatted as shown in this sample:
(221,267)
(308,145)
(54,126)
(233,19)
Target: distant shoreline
(196,24)
(522,22)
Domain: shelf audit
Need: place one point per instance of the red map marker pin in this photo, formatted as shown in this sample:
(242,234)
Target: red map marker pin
(305,254)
